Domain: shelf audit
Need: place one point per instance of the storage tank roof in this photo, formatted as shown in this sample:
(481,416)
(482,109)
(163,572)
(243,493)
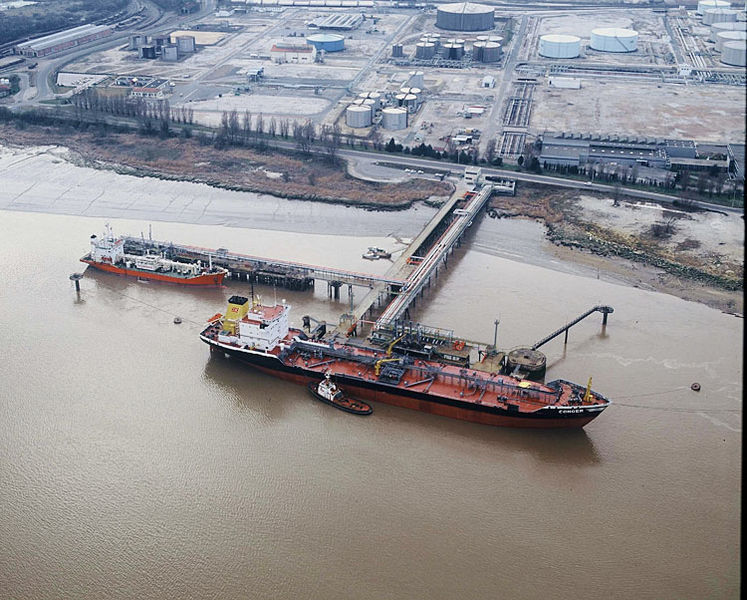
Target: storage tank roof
(561,39)
(614,32)
(325,37)
(394,110)
(466,8)
(359,108)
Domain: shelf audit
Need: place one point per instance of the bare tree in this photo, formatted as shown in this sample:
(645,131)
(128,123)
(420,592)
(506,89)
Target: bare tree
(490,151)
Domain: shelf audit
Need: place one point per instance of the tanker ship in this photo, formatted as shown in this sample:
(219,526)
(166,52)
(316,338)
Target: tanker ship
(108,254)
(261,337)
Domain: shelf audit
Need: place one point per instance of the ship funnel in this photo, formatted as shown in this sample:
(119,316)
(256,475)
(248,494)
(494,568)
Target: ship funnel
(238,307)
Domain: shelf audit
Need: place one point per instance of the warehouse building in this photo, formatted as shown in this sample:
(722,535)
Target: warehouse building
(572,149)
(57,42)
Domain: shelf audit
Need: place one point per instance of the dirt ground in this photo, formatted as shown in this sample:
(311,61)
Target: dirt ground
(696,112)
(699,257)
(281,174)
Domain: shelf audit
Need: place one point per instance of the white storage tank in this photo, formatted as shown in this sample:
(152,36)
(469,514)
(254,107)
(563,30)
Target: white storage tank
(358,115)
(453,51)
(734,54)
(410,102)
(717,28)
(410,90)
(185,44)
(491,52)
(719,15)
(394,118)
(400,98)
(559,46)
(375,98)
(614,39)
(425,50)
(729,36)
(704,5)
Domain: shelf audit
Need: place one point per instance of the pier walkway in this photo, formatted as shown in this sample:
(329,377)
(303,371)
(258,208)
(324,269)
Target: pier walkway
(291,274)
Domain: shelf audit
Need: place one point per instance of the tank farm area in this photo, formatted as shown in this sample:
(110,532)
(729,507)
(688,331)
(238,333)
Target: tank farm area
(461,76)
(451,76)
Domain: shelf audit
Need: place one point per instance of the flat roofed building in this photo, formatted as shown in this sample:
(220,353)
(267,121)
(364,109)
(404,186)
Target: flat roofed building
(292,52)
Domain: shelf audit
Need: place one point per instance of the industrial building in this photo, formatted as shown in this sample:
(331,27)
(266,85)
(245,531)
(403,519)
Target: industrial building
(329,42)
(465,16)
(579,149)
(57,42)
(614,39)
(292,52)
(559,46)
(338,21)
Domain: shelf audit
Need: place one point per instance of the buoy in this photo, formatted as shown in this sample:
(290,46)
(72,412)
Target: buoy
(695,387)
(177,320)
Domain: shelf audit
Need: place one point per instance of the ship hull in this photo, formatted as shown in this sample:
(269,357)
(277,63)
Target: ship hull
(375,391)
(206,279)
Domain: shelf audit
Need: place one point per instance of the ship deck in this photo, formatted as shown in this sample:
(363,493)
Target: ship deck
(472,386)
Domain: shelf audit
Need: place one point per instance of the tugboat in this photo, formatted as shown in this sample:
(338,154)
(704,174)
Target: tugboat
(328,392)
(374,253)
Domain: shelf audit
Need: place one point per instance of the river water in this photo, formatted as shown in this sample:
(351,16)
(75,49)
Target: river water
(134,465)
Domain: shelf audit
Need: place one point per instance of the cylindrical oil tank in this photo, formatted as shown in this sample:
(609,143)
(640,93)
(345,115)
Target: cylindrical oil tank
(491,53)
(358,115)
(170,53)
(614,39)
(375,98)
(729,36)
(136,41)
(532,363)
(410,90)
(394,118)
(147,51)
(185,44)
(559,46)
(453,51)
(478,49)
(400,98)
(734,53)
(465,16)
(495,38)
(410,102)
(719,15)
(717,28)
(417,79)
(329,42)
(481,38)
(425,51)
(398,51)
(704,5)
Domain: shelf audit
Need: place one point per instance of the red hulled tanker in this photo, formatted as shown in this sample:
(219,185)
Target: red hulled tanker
(261,337)
(108,254)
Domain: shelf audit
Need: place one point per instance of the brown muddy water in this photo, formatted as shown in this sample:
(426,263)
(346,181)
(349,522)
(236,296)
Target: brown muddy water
(134,465)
